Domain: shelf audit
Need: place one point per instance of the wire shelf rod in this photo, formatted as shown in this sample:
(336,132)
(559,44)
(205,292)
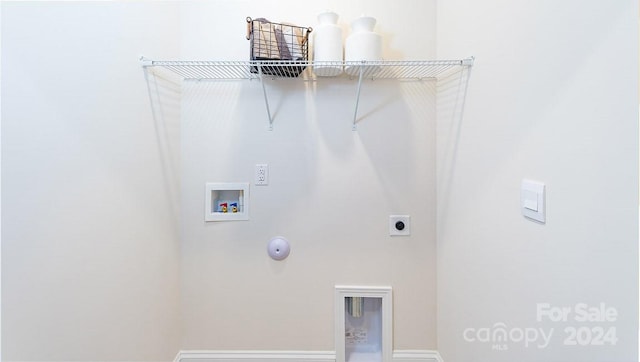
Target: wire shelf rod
(218,70)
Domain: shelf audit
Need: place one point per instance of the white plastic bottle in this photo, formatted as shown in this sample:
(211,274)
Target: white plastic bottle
(362,44)
(327,45)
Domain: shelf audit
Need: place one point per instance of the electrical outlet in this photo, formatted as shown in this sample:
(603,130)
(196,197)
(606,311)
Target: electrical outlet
(399,225)
(262,174)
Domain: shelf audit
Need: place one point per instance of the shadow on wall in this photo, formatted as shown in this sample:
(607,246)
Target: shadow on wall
(396,130)
(164,95)
(452,95)
(395,111)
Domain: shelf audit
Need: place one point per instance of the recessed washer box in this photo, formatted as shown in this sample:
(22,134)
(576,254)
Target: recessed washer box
(226,201)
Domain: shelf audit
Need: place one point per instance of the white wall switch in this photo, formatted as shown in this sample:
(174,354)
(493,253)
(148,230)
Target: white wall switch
(262,174)
(399,225)
(532,200)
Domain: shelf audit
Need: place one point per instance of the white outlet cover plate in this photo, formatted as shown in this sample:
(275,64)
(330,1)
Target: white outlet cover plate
(261,177)
(393,219)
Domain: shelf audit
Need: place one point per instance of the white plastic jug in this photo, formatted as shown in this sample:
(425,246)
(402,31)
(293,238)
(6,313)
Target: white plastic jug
(327,45)
(362,44)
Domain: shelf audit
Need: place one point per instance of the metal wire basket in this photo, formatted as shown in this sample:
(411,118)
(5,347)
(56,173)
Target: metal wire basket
(278,49)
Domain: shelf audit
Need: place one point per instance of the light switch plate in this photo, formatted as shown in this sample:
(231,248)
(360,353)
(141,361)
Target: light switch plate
(532,200)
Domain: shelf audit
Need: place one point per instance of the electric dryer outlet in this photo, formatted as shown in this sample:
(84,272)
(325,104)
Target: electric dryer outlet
(399,225)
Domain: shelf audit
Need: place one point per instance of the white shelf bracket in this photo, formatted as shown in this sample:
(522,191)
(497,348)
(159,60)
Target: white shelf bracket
(144,62)
(266,100)
(355,112)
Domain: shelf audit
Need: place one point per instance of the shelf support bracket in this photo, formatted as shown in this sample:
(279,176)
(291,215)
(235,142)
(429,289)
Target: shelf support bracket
(266,100)
(144,62)
(468,62)
(355,113)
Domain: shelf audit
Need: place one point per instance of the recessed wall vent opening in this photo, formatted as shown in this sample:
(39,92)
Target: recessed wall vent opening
(363,324)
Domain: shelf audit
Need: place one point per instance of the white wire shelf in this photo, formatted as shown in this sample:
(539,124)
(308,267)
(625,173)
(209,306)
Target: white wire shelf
(230,70)
(239,70)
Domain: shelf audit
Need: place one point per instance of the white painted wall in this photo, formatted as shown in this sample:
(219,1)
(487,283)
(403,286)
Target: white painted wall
(331,190)
(0,187)
(217,29)
(90,249)
(95,273)
(552,97)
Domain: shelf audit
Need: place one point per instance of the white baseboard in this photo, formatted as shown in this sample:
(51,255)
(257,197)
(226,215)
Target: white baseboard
(416,356)
(255,356)
(294,356)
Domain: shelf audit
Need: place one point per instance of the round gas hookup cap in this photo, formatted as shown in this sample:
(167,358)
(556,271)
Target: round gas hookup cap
(278,248)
